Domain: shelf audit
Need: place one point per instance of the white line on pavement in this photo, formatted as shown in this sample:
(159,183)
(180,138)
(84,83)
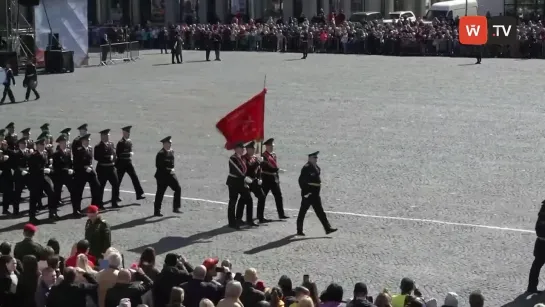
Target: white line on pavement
(363,215)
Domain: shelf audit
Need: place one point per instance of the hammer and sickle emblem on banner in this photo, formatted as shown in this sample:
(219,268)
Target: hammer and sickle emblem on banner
(248,125)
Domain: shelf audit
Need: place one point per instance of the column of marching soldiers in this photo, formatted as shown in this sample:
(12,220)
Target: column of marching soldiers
(46,169)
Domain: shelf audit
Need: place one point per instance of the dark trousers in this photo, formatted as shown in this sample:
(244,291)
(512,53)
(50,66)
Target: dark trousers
(39,184)
(8,92)
(269,184)
(257,190)
(60,180)
(19,182)
(127,167)
(81,178)
(246,202)
(163,45)
(207,53)
(314,201)
(234,193)
(217,48)
(104,50)
(164,182)
(108,174)
(539,261)
(176,55)
(304,47)
(6,187)
(33,89)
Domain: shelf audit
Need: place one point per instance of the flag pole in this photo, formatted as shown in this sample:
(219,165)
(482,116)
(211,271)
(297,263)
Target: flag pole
(261,141)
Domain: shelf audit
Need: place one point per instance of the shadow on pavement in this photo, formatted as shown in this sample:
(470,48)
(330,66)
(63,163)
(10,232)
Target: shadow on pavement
(526,300)
(168,244)
(279,243)
(140,221)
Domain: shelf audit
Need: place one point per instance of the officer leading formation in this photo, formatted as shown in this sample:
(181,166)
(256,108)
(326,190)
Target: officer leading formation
(45,169)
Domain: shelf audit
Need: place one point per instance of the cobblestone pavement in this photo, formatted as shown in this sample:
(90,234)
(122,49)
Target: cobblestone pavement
(419,157)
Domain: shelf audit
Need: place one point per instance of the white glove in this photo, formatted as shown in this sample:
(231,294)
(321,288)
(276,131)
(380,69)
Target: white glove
(259,182)
(88,169)
(31,150)
(70,171)
(24,173)
(111,157)
(248,180)
(6,158)
(281,171)
(47,170)
(172,171)
(50,161)
(260,159)
(306,196)
(132,153)
(0,172)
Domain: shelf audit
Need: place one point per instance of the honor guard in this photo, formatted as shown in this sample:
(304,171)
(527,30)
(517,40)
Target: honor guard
(63,174)
(20,172)
(270,178)
(238,182)
(310,184)
(11,136)
(31,80)
(6,177)
(84,173)
(48,146)
(44,127)
(82,131)
(539,251)
(7,85)
(304,42)
(207,44)
(26,134)
(166,178)
(38,168)
(66,133)
(177,49)
(253,171)
(106,157)
(216,40)
(124,162)
(28,246)
(97,233)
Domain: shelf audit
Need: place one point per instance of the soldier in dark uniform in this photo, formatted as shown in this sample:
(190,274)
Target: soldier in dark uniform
(207,43)
(6,177)
(97,232)
(20,172)
(28,246)
(44,127)
(66,133)
(26,134)
(31,80)
(82,131)
(84,173)
(106,157)
(166,178)
(479,53)
(238,182)
(310,183)
(7,85)
(63,174)
(539,251)
(49,150)
(38,168)
(124,162)
(11,136)
(304,42)
(177,49)
(216,39)
(253,171)
(271,180)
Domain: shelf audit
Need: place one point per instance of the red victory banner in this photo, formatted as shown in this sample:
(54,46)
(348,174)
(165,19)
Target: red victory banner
(245,123)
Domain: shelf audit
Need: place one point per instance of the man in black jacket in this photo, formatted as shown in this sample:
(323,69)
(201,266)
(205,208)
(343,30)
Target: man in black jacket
(176,271)
(360,297)
(31,80)
(125,289)
(250,295)
(196,289)
(68,293)
(539,251)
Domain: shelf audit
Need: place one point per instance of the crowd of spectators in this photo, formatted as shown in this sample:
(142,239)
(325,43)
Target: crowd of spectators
(401,37)
(36,276)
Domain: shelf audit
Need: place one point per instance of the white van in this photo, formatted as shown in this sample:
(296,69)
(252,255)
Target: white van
(452,9)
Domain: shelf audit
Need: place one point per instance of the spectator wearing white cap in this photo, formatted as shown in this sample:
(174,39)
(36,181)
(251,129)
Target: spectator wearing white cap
(451,300)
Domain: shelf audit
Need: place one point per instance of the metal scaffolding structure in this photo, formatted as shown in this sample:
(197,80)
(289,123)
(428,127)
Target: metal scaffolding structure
(17,31)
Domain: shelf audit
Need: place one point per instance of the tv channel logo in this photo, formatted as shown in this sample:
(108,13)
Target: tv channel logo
(478,30)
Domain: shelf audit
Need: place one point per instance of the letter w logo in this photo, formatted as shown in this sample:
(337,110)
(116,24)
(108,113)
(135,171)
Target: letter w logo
(473,30)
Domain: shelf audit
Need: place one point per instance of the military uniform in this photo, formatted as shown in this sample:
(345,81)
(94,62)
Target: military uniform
(124,164)
(253,171)
(84,173)
(63,175)
(7,86)
(6,176)
(38,167)
(177,49)
(27,247)
(106,157)
(216,40)
(310,184)
(20,173)
(539,251)
(304,43)
(207,43)
(271,180)
(98,234)
(29,141)
(31,81)
(11,136)
(166,178)
(77,143)
(238,182)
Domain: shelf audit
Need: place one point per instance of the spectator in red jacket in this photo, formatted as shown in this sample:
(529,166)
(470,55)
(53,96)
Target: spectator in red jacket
(81,248)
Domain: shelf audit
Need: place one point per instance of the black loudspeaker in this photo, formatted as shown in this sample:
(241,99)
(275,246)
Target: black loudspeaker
(57,62)
(28,3)
(54,42)
(7,57)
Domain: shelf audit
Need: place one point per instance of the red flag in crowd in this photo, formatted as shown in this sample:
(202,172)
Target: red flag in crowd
(245,123)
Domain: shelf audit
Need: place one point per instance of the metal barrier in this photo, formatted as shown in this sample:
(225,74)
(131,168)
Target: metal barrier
(119,52)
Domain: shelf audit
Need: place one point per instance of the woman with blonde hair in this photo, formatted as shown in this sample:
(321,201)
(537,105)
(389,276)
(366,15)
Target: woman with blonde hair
(306,302)
(206,303)
(233,291)
(83,263)
(176,297)
(383,299)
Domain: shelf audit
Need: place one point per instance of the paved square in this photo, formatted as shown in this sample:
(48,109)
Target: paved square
(433,169)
